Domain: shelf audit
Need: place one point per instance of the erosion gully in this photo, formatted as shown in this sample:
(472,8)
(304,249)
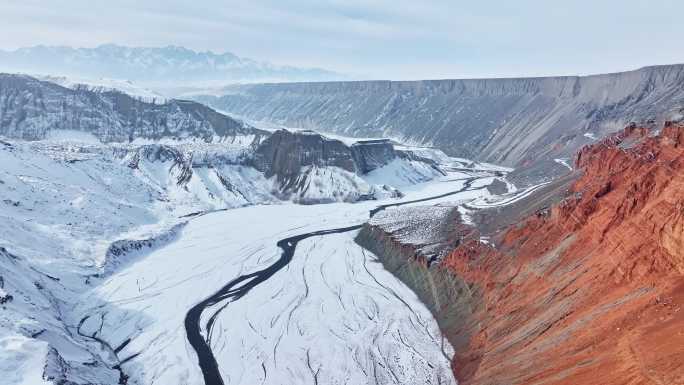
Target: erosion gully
(240,286)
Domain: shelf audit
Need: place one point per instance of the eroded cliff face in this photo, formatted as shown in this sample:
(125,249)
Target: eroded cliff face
(284,153)
(527,119)
(590,291)
(581,283)
(372,154)
(448,296)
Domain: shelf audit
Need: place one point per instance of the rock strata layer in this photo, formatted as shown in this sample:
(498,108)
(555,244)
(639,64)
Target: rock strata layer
(582,283)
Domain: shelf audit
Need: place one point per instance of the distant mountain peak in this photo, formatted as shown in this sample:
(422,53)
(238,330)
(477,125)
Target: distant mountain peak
(168,65)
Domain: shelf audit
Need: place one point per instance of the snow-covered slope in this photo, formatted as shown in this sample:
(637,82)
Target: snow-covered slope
(94,192)
(316,184)
(402,172)
(31,109)
(72,214)
(208,177)
(100,243)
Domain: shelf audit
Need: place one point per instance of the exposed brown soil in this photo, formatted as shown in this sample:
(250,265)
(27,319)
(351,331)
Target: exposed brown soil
(589,290)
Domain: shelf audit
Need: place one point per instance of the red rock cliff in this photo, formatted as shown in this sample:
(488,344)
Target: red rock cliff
(590,292)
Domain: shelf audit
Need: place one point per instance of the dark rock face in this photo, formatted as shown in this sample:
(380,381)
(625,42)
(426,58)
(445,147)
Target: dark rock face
(157,153)
(497,187)
(284,153)
(298,161)
(4,297)
(511,122)
(30,109)
(372,154)
(119,251)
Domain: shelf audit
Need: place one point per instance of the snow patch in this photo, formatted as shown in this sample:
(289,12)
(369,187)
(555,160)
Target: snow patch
(465,218)
(401,173)
(327,184)
(564,162)
(22,360)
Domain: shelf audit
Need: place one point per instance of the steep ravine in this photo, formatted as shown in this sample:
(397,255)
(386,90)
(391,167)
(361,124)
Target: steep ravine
(580,283)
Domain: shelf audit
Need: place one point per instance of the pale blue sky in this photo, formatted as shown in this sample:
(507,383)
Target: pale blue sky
(374,39)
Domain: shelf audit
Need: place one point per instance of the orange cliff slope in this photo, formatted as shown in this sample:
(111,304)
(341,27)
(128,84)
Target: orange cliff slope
(592,291)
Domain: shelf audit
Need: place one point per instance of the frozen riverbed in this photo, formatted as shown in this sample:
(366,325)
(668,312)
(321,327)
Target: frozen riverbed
(332,315)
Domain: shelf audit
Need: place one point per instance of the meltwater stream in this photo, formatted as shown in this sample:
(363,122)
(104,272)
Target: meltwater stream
(240,286)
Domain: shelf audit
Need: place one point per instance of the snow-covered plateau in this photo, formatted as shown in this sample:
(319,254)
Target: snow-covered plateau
(113,256)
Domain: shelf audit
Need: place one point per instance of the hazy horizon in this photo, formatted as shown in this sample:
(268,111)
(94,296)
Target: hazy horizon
(348,77)
(376,40)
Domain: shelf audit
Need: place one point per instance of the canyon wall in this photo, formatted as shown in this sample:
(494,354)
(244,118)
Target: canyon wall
(584,287)
(449,297)
(506,121)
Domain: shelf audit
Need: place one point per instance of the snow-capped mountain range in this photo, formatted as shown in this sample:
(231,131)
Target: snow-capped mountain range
(161,66)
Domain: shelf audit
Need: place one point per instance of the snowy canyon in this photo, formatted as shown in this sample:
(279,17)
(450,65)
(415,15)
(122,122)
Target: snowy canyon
(107,246)
(160,241)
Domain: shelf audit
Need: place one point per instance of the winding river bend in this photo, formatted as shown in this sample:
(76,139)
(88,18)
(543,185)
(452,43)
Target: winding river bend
(240,286)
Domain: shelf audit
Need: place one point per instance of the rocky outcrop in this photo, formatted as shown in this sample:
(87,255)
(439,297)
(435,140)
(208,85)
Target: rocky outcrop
(180,164)
(284,153)
(511,122)
(154,153)
(311,168)
(30,109)
(123,251)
